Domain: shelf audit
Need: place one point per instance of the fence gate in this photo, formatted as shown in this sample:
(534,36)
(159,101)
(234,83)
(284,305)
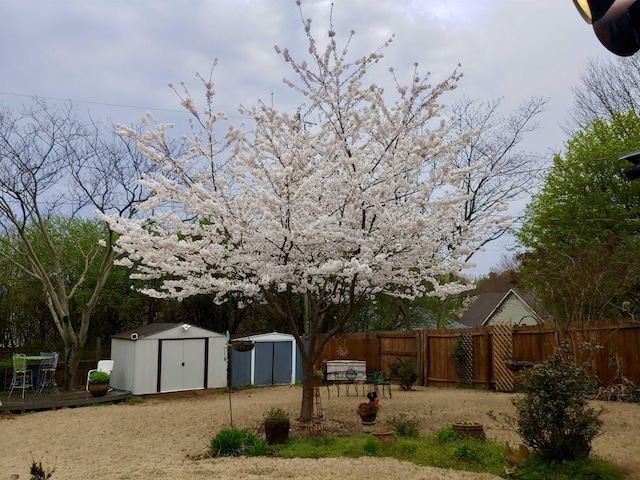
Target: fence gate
(502,350)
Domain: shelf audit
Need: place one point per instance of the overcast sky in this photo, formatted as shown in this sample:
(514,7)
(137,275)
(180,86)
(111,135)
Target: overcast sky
(115,58)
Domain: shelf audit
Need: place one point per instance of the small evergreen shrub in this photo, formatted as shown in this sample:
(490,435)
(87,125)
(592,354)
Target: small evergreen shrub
(553,416)
(405,371)
(233,442)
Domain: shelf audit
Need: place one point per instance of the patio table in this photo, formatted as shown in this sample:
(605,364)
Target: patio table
(32,359)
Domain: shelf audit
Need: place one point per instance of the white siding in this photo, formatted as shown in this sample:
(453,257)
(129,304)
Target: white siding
(512,311)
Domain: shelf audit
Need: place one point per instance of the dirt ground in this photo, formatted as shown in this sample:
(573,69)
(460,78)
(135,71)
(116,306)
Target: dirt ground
(165,436)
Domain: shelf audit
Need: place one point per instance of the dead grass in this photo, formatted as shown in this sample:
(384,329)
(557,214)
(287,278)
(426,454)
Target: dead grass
(164,437)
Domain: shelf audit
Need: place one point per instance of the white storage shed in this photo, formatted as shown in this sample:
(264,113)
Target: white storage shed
(168,357)
(274,360)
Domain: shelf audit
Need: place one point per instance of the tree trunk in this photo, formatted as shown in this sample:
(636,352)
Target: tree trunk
(308,371)
(72,355)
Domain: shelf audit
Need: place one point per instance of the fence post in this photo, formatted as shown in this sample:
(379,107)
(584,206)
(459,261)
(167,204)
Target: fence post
(425,357)
(487,367)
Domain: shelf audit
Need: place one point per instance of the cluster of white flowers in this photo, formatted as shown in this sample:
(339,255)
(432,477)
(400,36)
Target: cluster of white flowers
(363,202)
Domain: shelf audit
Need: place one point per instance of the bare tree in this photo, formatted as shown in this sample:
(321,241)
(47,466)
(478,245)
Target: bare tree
(507,174)
(605,87)
(56,167)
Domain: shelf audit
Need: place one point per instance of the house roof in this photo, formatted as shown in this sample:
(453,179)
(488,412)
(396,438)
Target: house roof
(480,311)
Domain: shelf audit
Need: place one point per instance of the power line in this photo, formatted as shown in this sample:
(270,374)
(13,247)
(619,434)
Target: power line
(106,104)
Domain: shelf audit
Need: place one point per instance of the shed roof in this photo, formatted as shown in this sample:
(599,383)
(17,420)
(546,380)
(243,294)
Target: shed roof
(268,337)
(153,329)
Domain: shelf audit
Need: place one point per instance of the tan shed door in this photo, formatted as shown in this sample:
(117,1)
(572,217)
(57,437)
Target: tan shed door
(182,365)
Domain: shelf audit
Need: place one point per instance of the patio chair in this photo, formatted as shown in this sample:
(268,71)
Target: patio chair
(350,379)
(22,376)
(47,376)
(105,366)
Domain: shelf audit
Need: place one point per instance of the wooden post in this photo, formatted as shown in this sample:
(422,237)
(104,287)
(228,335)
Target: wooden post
(487,367)
(425,357)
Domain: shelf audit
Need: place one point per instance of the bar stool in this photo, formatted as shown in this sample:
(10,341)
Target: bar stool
(22,376)
(48,368)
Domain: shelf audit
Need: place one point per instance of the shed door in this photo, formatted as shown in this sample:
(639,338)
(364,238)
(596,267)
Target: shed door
(182,364)
(273,363)
(240,368)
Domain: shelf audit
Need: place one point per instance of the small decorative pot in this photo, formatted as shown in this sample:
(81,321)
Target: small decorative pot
(98,389)
(469,430)
(368,412)
(276,431)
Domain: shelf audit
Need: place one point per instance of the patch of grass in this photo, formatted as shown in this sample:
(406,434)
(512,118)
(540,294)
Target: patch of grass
(471,455)
(134,400)
(232,442)
(592,468)
(444,448)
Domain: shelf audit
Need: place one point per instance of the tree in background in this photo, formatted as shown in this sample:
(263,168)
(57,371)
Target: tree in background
(312,220)
(580,229)
(55,170)
(506,174)
(606,87)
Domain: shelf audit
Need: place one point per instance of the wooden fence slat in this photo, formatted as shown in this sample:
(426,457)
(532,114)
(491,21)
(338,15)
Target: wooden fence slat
(432,351)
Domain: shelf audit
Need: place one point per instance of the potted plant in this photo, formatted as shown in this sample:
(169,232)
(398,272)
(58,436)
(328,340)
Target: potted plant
(468,429)
(98,383)
(369,411)
(276,426)
(317,378)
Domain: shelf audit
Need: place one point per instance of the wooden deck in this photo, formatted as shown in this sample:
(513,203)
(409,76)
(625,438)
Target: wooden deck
(53,401)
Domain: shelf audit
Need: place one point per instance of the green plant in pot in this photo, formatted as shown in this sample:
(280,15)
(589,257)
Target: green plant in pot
(98,383)
(317,377)
(276,426)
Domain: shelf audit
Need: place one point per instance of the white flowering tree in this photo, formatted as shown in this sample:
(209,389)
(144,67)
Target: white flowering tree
(310,219)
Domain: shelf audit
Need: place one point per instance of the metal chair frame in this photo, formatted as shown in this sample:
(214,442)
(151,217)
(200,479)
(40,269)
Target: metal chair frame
(103,366)
(22,376)
(48,367)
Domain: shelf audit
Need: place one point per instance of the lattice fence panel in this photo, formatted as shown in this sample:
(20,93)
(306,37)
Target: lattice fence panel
(502,349)
(466,367)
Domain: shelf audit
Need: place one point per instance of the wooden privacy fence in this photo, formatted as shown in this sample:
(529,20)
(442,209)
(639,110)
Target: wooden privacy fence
(493,355)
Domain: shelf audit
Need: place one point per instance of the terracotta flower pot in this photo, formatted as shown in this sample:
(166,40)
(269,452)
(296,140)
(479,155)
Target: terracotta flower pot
(368,412)
(469,430)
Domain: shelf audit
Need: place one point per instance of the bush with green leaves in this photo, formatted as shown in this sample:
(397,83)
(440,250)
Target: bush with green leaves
(404,427)
(404,369)
(233,442)
(98,377)
(553,415)
(276,413)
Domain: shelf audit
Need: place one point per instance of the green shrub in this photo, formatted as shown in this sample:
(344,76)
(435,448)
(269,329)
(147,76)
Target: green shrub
(233,442)
(552,415)
(276,413)
(98,377)
(447,435)
(404,427)
(405,371)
